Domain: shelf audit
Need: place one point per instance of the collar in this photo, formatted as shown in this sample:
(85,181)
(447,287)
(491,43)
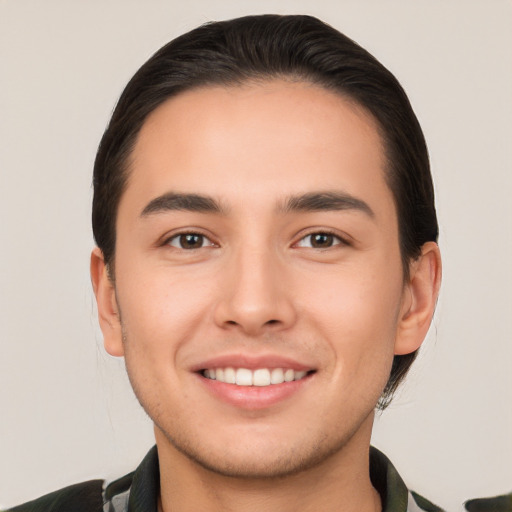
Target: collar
(385,478)
(137,491)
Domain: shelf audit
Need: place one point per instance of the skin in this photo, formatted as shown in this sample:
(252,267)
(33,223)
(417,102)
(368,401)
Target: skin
(258,286)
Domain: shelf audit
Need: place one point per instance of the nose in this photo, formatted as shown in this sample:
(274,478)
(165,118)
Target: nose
(255,297)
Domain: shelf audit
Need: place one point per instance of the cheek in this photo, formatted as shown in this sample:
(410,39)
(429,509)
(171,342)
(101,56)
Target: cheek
(163,307)
(357,299)
(357,313)
(160,312)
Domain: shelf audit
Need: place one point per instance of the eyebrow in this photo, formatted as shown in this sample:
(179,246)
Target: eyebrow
(325,201)
(308,202)
(172,201)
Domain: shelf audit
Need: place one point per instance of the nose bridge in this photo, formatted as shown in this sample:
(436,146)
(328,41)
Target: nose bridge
(255,297)
(256,270)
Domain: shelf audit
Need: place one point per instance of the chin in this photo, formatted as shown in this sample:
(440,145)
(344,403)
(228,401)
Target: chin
(258,459)
(251,466)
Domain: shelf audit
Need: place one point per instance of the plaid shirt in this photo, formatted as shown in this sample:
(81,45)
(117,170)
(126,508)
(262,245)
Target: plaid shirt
(138,491)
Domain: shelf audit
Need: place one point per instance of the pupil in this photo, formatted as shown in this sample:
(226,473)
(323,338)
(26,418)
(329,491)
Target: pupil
(322,240)
(191,241)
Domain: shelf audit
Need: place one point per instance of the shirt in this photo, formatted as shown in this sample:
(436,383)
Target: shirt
(138,491)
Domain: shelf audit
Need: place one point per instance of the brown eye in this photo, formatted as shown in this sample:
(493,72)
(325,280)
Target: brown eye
(189,241)
(319,241)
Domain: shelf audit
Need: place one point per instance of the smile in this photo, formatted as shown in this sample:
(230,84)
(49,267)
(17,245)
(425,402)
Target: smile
(259,377)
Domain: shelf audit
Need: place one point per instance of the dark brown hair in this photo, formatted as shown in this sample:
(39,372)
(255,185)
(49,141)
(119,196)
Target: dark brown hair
(264,48)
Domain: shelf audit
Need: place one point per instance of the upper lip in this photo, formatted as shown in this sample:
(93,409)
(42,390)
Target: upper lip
(251,362)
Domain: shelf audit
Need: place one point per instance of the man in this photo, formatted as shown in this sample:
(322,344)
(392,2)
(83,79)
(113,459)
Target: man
(266,264)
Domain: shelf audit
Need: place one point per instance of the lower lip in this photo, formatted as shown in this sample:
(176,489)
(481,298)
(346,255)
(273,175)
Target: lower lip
(254,397)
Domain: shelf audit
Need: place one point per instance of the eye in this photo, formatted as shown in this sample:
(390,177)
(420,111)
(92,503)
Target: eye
(320,240)
(190,241)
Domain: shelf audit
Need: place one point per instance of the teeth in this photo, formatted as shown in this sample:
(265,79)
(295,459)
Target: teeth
(229,375)
(260,377)
(277,376)
(289,375)
(243,377)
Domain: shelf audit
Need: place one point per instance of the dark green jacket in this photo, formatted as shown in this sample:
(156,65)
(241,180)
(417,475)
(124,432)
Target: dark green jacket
(497,504)
(138,491)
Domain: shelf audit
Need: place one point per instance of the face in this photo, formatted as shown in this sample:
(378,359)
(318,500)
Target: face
(258,281)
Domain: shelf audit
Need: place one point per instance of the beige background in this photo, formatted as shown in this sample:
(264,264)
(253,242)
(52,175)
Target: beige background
(66,411)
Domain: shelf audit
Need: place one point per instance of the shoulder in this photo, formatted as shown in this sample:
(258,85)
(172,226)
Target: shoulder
(501,503)
(423,503)
(82,497)
(395,495)
(140,487)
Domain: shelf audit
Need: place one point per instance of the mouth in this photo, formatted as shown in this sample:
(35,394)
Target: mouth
(260,377)
(255,382)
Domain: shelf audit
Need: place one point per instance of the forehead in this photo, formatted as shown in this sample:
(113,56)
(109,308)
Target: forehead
(259,140)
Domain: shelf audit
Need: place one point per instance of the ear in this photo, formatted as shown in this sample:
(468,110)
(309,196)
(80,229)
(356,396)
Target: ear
(419,299)
(108,313)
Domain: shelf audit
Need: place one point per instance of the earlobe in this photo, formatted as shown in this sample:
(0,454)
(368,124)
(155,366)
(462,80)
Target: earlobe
(108,314)
(420,300)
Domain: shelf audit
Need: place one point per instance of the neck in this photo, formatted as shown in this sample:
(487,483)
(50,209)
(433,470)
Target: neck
(340,482)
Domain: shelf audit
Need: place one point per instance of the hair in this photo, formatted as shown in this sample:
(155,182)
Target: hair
(268,47)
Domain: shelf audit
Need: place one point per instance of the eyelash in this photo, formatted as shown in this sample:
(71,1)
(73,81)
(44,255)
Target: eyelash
(335,239)
(179,236)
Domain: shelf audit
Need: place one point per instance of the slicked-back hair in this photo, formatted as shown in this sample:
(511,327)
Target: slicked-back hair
(263,48)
